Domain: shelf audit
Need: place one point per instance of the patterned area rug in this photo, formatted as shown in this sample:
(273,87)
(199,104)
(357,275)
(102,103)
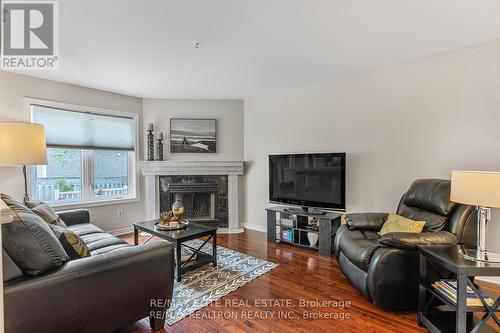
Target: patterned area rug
(206,284)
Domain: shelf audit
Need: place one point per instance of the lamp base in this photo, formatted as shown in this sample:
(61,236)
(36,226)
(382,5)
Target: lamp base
(485,256)
(26,197)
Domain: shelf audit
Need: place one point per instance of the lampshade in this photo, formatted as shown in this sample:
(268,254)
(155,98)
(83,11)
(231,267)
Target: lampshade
(477,188)
(22,144)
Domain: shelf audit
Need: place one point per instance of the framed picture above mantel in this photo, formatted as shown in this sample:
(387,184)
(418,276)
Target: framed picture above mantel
(193,135)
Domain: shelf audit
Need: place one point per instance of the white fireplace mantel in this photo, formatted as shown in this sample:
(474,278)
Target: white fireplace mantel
(180,168)
(232,169)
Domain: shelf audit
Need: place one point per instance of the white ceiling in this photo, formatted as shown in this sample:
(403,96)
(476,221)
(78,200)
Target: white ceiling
(146,48)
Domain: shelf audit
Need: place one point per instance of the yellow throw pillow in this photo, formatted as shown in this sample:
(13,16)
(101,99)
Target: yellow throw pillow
(74,246)
(397,223)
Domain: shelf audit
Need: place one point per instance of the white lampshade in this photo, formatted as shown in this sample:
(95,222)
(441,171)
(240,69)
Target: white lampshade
(477,188)
(22,144)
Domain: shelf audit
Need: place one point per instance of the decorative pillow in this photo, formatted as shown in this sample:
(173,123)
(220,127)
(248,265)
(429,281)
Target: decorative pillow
(43,210)
(396,223)
(75,246)
(29,242)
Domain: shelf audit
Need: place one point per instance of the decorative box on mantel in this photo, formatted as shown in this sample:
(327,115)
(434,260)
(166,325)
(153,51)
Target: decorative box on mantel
(210,190)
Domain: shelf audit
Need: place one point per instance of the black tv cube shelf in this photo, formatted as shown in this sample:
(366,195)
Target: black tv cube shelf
(296,224)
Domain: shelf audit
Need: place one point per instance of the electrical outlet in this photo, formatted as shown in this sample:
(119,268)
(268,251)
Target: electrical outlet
(120,213)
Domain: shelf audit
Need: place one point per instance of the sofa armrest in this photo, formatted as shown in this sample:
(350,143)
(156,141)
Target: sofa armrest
(411,241)
(366,221)
(76,216)
(107,290)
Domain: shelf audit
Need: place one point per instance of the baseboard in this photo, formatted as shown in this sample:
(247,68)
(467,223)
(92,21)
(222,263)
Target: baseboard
(489,281)
(255,227)
(122,231)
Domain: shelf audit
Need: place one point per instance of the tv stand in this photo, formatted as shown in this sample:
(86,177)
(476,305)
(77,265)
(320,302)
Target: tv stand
(304,210)
(291,226)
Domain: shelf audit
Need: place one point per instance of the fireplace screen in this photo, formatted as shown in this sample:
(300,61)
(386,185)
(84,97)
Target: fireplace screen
(204,197)
(199,200)
(197,205)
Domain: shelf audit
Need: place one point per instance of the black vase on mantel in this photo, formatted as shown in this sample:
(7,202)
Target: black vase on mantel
(160,146)
(151,143)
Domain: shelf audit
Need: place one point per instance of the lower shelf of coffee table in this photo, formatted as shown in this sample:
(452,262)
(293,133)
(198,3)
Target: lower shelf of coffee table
(201,259)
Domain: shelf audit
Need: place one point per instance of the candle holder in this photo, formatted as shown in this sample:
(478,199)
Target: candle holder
(160,149)
(151,145)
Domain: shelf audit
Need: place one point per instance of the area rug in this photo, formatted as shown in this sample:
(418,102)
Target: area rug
(206,284)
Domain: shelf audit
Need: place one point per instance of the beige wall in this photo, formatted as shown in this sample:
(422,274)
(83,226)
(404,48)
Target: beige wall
(229,115)
(417,119)
(14,87)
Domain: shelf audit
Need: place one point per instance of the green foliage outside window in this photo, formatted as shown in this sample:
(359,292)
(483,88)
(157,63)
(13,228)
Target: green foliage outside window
(62,157)
(64,186)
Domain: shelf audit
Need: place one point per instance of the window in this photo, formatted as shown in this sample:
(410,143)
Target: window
(111,169)
(90,155)
(61,178)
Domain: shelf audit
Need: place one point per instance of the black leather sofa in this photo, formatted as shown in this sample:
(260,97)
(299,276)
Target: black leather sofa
(385,269)
(117,285)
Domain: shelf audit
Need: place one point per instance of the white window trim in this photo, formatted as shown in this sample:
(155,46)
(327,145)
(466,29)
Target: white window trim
(135,197)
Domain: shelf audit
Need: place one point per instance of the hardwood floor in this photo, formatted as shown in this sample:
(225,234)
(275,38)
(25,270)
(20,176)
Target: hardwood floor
(302,275)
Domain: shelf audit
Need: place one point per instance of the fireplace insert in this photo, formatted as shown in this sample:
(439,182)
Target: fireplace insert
(204,197)
(199,200)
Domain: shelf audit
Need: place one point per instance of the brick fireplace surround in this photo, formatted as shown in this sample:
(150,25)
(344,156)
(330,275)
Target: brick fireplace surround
(233,170)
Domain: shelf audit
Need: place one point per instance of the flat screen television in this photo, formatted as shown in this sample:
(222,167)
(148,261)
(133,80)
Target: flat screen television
(308,180)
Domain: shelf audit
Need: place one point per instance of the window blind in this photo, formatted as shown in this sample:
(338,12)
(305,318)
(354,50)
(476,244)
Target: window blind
(81,130)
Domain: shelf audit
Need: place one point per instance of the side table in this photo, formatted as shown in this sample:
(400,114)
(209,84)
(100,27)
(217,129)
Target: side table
(438,313)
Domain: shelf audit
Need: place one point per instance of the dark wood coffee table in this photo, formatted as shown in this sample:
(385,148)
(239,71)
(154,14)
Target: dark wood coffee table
(178,238)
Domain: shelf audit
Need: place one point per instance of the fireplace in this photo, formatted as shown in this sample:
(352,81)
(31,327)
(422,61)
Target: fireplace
(199,200)
(160,175)
(204,197)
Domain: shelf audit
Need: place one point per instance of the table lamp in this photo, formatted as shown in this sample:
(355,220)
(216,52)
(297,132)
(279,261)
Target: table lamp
(480,189)
(22,144)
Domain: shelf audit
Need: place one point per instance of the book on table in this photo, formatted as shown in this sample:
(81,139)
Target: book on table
(448,288)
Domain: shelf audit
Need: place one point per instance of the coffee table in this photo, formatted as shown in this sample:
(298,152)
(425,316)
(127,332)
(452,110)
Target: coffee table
(178,238)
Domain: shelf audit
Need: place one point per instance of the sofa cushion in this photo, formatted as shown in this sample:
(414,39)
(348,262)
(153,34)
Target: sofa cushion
(85,229)
(29,242)
(96,239)
(43,210)
(101,240)
(106,249)
(359,246)
(74,246)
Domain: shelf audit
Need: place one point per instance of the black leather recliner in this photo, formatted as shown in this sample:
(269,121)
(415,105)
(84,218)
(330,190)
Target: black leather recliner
(385,269)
